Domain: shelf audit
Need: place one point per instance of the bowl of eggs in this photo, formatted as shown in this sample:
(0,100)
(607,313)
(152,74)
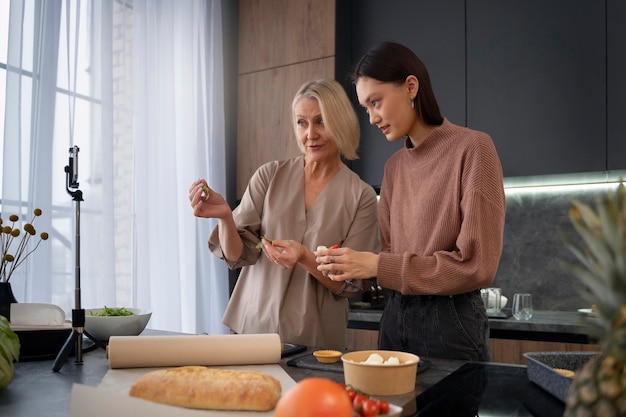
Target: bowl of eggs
(380,372)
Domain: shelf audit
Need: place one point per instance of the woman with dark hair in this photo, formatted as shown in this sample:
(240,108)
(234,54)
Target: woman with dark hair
(441,215)
(301,203)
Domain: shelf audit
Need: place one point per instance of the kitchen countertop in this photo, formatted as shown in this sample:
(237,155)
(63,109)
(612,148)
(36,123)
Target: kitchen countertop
(551,326)
(36,390)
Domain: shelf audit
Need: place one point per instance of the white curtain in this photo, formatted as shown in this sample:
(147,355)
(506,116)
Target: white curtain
(138,87)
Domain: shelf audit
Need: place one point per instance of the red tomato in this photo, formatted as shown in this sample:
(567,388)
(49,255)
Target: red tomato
(384,406)
(314,397)
(370,408)
(351,393)
(358,401)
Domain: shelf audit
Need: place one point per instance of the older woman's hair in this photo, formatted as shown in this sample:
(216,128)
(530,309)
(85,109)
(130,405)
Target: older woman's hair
(337,113)
(391,63)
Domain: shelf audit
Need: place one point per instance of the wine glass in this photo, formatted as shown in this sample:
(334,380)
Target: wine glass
(522,306)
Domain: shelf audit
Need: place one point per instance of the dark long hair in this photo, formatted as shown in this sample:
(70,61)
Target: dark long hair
(393,62)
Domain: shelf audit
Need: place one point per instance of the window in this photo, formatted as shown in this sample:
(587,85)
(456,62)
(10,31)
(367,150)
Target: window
(76,110)
(127,82)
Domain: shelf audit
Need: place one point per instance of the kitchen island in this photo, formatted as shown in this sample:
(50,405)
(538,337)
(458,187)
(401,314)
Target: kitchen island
(38,391)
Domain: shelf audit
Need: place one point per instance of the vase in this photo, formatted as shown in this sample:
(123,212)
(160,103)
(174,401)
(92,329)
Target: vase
(6,299)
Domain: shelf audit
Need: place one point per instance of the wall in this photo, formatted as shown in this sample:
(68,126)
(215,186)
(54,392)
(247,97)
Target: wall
(534,258)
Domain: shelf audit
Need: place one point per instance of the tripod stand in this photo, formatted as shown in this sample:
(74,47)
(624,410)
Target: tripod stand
(75,338)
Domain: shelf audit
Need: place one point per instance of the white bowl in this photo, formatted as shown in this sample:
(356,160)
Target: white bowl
(103,327)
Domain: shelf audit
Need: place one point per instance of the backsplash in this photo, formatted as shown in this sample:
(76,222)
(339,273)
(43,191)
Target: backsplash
(533,254)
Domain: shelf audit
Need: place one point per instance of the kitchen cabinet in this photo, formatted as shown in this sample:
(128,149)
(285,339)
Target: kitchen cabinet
(544,79)
(435,30)
(536,82)
(359,339)
(281,44)
(616,84)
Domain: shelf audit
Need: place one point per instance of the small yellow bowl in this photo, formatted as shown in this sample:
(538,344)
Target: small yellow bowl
(327,356)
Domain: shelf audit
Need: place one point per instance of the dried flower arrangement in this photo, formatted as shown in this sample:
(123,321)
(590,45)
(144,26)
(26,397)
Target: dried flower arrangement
(8,235)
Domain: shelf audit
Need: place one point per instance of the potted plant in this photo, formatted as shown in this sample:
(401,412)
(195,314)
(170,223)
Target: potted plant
(9,352)
(15,250)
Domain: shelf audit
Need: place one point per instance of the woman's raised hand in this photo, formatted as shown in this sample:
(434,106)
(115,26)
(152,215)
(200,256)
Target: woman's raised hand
(207,203)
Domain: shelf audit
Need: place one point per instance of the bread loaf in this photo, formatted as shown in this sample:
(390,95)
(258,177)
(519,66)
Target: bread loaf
(209,388)
(565,372)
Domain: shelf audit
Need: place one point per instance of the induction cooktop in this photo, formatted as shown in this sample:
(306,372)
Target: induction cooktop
(487,390)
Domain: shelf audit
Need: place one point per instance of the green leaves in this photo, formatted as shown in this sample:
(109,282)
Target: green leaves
(111,311)
(258,245)
(9,352)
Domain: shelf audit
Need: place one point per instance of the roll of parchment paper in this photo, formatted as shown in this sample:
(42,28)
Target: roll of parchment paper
(163,351)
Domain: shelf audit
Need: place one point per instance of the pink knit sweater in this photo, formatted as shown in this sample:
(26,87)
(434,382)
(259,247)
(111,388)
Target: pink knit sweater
(441,214)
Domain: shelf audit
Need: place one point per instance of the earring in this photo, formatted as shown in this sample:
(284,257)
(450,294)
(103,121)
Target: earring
(412,102)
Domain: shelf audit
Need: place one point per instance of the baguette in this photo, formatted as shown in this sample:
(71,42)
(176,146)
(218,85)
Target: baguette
(210,389)
(565,372)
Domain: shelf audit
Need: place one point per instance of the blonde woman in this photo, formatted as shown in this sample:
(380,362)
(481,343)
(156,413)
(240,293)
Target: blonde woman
(300,203)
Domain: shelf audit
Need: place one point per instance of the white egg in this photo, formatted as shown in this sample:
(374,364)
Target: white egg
(321,248)
(375,358)
(392,361)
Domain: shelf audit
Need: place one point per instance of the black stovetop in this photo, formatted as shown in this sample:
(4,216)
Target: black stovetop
(479,389)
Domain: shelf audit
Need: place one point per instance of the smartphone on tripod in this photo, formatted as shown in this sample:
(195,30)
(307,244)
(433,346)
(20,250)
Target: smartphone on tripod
(75,339)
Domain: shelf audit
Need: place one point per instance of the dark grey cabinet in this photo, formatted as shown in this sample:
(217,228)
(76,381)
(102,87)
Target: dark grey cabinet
(544,78)
(536,81)
(616,85)
(435,30)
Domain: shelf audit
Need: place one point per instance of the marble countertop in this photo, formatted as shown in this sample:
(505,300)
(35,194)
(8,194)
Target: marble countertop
(544,321)
(563,326)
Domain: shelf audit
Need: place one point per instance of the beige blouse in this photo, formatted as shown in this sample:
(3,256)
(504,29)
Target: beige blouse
(290,302)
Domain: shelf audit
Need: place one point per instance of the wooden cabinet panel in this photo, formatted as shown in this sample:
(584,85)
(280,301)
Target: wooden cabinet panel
(282,44)
(358,339)
(275,33)
(536,82)
(264,122)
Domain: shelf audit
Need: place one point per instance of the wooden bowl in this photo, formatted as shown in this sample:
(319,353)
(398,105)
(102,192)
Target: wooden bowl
(327,356)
